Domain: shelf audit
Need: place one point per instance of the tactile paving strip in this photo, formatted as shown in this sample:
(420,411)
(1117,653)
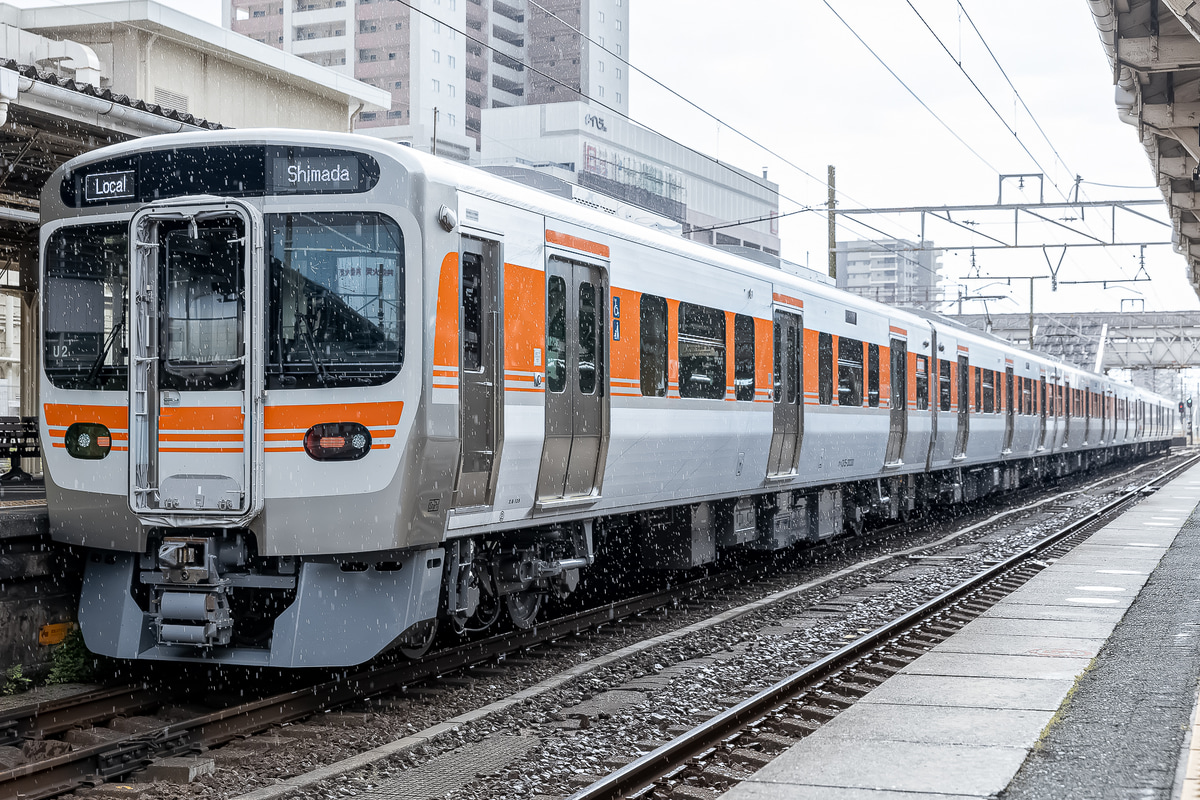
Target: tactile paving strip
(16,503)
(447,772)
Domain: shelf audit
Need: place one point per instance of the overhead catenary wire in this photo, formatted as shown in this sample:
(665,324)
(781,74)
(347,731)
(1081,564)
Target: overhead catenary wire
(803,207)
(1012,86)
(958,62)
(765,148)
(721,122)
(986,99)
(909,89)
(600,103)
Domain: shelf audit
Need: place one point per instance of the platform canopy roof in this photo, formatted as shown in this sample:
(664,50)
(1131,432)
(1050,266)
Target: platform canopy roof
(1153,47)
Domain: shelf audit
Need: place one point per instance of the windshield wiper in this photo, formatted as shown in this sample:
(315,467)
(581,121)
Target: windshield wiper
(98,364)
(310,342)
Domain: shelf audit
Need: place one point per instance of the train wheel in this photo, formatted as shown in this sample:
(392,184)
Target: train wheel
(420,638)
(523,608)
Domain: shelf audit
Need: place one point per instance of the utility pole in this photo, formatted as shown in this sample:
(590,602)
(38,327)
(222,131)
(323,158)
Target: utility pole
(1031,313)
(433,149)
(831,205)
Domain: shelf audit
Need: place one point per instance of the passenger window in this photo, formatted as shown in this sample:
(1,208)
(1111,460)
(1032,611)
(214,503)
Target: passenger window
(989,391)
(873,375)
(978,390)
(587,338)
(825,369)
(743,357)
(922,383)
(943,384)
(556,334)
(701,352)
(654,346)
(850,371)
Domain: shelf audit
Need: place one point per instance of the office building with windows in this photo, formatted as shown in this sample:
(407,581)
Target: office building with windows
(607,153)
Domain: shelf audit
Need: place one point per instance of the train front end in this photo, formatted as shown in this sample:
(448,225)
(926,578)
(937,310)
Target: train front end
(230,387)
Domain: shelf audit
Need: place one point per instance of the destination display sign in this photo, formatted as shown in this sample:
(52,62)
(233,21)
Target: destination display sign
(222,170)
(110,186)
(312,174)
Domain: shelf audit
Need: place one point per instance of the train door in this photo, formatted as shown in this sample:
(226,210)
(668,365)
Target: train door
(1102,412)
(964,408)
(1042,413)
(576,381)
(196,371)
(480,388)
(1068,412)
(933,397)
(1009,410)
(898,422)
(788,394)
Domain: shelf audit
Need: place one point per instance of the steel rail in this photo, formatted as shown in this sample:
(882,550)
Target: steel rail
(49,717)
(653,766)
(108,760)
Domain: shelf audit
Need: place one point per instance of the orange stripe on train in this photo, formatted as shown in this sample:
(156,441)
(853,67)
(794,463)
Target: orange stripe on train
(304,417)
(62,415)
(787,299)
(201,418)
(576,243)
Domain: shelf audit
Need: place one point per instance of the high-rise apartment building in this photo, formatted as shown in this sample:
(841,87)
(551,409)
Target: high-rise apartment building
(897,272)
(446,60)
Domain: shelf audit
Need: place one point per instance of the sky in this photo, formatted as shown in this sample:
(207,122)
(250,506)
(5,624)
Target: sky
(792,77)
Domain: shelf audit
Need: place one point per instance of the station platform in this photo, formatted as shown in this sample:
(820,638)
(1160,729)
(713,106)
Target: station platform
(23,510)
(1080,684)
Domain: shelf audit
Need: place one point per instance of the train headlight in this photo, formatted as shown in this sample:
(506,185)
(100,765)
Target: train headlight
(89,440)
(337,441)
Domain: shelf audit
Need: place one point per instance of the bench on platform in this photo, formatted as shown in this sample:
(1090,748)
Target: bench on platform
(18,440)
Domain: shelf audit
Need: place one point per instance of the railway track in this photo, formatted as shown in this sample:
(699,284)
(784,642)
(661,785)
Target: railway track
(730,746)
(125,754)
(121,756)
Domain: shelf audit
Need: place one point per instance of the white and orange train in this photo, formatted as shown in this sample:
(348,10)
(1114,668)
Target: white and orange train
(306,395)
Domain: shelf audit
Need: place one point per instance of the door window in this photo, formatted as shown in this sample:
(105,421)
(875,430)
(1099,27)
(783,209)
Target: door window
(203,306)
(472,317)
(556,334)
(587,338)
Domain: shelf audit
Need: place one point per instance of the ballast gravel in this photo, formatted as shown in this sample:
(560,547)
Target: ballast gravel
(681,683)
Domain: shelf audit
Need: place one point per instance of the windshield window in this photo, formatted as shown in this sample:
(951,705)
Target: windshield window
(85,303)
(337,300)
